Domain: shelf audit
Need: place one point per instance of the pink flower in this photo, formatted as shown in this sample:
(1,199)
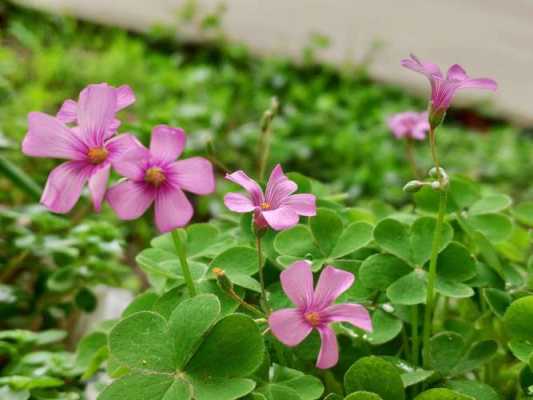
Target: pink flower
(409,124)
(443,89)
(315,309)
(278,208)
(154,175)
(89,147)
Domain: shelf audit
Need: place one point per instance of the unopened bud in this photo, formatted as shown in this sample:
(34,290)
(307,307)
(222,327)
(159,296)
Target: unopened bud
(441,172)
(413,186)
(435,185)
(222,279)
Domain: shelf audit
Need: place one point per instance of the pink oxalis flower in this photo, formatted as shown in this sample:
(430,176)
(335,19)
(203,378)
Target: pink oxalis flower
(443,88)
(315,309)
(278,207)
(154,176)
(410,124)
(90,146)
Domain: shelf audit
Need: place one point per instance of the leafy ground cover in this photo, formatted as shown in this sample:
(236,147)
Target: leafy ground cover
(443,270)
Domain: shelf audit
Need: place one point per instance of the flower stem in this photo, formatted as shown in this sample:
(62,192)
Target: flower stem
(264,301)
(409,154)
(430,298)
(264,140)
(415,334)
(433,145)
(182,254)
(231,293)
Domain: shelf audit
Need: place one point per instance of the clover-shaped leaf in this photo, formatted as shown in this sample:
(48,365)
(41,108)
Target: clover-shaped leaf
(374,374)
(285,383)
(385,327)
(455,263)
(446,350)
(381,270)
(412,245)
(523,212)
(496,227)
(239,263)
(193,355)
(363,395)
(326,240)
(478,390)
(409,290)
(442,394)
(518,319)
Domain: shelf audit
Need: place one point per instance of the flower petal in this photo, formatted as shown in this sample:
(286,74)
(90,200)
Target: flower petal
(49,137)
(279,187)
(64,185)
(96,112)
(130,199)
(329,349)
(355,314)
(456,73)
(303,204)
(297,283)
(132,163)
(429,69)
(193,175)
(331,284)
(125,97)
(281,218)
(120,145)
(288,326)
(167,143)
(238,202)
(480,83)
(68,112)
(172,209)
(251,186)
(98,185)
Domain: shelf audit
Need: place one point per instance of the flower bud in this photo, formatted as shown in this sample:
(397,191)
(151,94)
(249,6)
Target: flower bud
(413,186)
(222,279)
(441,173)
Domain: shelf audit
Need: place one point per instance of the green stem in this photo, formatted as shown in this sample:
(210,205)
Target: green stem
(430,298)
(264,301)
(244,304)
(415,334)
(433,145)
(182,254)
(20,178)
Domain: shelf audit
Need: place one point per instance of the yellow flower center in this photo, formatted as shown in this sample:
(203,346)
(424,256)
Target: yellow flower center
(97,155)
(265,206)
(155,176)
(313,318)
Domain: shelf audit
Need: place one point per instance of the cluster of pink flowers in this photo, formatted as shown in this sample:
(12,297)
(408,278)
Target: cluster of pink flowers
(85,134)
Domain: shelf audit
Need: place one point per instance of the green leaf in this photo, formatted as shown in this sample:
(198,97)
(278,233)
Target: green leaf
(523,212)
(355,236)
(88,347)
(393,237)
(233,348)
(496,227)
(327,228)
(455,263)
(290,383)
(188,324)
(6,393)
(142,341)
(381,270)
(422,232)
(373,374)
(518,319)
(207,388)
(490,204)
(297,241)
(498,300)
(521,349)
(480,353)
(416,376)
(19,382)
(409,290)
(143,302)
(475,389)
(446,350)
(442,394)
(463,192)
(385,327)
(526,380)
(362,395)
(201,240)
(239,259)
(143,387)
(453,289)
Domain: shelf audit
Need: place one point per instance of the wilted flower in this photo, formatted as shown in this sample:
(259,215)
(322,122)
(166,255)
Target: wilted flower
(154,175)
(443,88)
(89,146)
(410,124)
(315,309)
(278,208)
